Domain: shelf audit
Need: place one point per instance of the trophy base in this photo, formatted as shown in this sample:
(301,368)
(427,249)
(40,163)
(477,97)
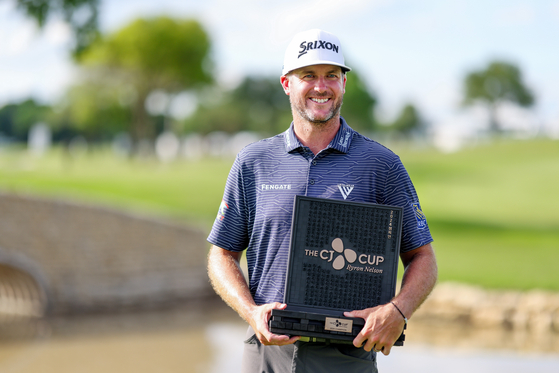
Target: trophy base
(314,327)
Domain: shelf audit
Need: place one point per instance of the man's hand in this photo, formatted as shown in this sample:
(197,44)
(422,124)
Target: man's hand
(383,326)
(259,322)
(228,281)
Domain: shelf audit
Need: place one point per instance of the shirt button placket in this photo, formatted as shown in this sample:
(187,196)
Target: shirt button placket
(313,162)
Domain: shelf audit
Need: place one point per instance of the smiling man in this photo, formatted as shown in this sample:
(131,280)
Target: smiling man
(319,155)
(315,92)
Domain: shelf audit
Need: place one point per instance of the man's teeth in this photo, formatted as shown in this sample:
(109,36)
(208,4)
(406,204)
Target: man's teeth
(319,100)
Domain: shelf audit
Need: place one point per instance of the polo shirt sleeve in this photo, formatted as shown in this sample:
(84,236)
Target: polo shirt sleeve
(229,230)
(399,191)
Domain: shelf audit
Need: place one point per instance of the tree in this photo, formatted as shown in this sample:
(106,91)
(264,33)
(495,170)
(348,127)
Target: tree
(260,104)
(81,15)
(264,103)
(257,104)
(96,111)
(499,82)
(147,55)
(408,121)
(7,114)
(17,119)
(359,104)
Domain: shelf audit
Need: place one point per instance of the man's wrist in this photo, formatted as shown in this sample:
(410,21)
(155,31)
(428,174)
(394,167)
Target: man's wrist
(400,311)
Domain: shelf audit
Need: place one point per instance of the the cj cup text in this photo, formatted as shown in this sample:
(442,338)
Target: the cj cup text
(346,255)
(328,255)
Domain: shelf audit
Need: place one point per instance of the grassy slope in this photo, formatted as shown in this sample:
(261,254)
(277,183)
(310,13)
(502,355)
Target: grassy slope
(184,191)
(493,210)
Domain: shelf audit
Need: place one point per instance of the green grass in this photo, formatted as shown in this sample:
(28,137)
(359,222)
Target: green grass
(506,183)
(183,191)
(493,209)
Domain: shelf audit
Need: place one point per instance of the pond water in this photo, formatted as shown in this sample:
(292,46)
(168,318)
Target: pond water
(207,337)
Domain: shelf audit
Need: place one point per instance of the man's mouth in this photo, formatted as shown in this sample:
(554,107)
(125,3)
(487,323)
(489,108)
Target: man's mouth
(320,100)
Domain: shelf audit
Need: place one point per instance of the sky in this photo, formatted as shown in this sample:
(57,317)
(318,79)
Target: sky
(406,50)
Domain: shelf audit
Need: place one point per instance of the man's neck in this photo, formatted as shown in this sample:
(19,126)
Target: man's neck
(316,136)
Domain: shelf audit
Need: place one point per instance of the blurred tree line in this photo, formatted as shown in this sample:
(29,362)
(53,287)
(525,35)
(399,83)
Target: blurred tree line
(119,72)
(259,104)
(122,71)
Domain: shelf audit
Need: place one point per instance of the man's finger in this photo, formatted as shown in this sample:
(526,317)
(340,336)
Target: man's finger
(386,350)
(353,314)
(279,340)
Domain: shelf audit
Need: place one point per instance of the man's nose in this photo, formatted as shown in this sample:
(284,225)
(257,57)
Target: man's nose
(320,84)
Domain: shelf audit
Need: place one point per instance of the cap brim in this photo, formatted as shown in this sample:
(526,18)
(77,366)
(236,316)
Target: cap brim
(344,67)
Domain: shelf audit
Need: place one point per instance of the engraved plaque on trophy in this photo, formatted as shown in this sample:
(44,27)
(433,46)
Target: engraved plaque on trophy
(343,256)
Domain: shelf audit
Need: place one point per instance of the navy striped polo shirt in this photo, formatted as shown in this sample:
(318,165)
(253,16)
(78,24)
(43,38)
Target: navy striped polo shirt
(256,210)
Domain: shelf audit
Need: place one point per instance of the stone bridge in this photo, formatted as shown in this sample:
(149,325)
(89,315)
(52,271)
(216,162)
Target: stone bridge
(57,257)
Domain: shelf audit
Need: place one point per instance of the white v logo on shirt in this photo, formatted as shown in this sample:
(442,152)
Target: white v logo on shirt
(345,189)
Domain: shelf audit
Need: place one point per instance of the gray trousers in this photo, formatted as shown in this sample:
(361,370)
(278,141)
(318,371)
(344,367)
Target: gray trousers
(305,357)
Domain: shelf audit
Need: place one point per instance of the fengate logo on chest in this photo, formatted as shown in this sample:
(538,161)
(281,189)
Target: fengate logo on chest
(275,187)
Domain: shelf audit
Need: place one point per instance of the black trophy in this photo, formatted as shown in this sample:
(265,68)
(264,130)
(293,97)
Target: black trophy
(343,256)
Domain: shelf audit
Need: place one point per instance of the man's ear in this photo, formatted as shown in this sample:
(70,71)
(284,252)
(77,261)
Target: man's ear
(284,80)
(345,81)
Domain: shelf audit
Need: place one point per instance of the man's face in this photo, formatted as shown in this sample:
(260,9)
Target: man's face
(315,92)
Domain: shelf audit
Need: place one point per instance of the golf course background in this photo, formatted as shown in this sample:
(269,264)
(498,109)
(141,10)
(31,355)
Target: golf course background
(493,208)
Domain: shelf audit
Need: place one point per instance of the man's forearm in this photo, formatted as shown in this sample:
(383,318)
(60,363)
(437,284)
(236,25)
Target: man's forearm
(419,279)
(383,324)
(229,282)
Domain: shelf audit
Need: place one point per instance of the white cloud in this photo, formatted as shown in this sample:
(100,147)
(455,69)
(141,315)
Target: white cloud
(58,33)
(6,7)
(555,10)
(19,38)
(317,13)
(33,62)
(405,50)
(517,15)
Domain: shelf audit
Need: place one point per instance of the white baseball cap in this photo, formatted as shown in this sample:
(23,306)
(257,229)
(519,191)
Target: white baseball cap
(313,47)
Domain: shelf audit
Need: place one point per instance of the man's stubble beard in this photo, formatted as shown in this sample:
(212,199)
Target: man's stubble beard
(301,110)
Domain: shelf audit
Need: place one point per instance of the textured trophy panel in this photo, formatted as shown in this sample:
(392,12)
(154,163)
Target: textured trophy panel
(343,254)
(352,290)
(366,226)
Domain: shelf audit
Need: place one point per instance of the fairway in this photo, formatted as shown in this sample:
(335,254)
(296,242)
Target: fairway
(493,209)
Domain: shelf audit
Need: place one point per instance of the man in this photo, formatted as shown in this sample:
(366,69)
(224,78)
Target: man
(318,156)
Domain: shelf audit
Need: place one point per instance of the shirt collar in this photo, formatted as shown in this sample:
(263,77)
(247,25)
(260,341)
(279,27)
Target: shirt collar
(341,142)
(291,141)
